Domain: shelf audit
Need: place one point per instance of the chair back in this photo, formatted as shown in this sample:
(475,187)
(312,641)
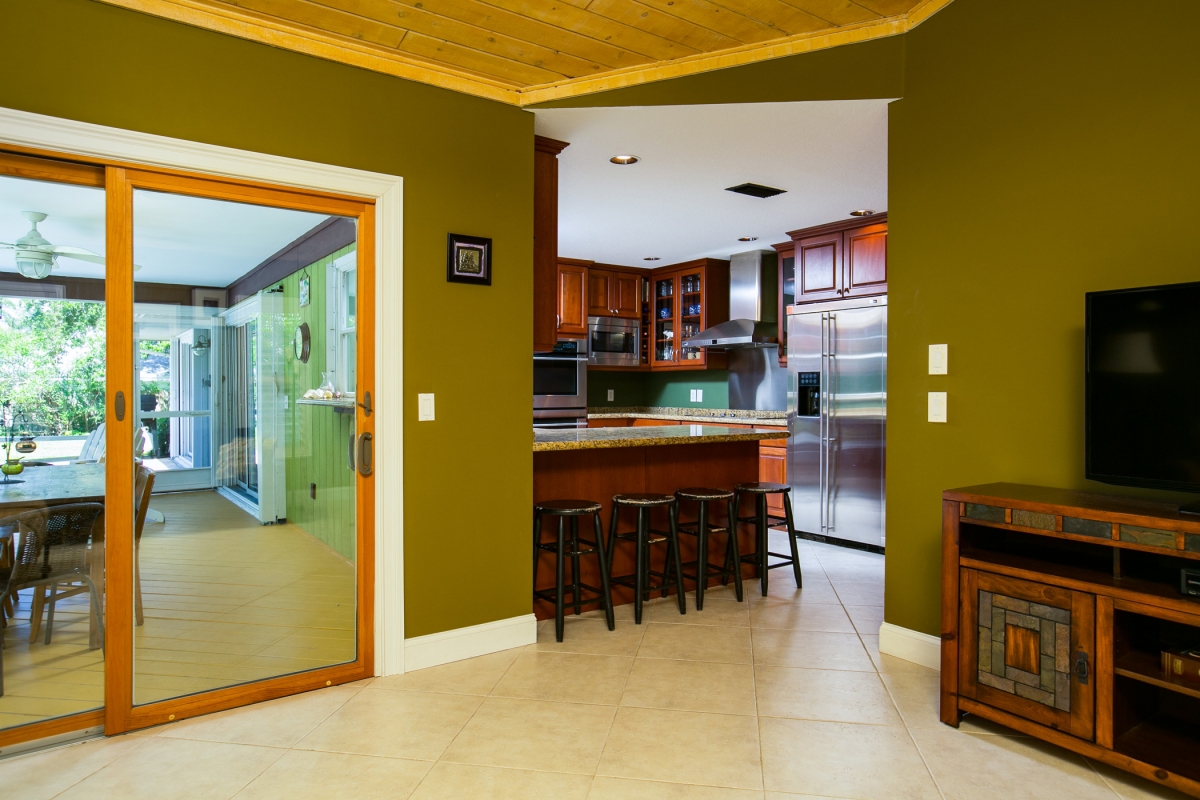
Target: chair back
(93,446)
(143,486)
(54,542)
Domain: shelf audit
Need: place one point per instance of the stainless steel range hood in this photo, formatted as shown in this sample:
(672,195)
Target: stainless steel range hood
(745,327)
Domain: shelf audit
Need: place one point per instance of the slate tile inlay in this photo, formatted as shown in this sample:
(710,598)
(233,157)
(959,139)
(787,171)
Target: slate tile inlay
(1050,628)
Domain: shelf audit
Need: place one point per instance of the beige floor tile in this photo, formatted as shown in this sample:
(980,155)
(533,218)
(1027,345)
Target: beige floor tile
(395,724)
(836,759)
(970,766)
(1131,787)
(696,643)
(717,611)
(885,663)
(810,649)
(790,796)
(814,591)
(567,677)
(689,747)
(590,635)
(824,694)
(448,780)
(312,775)
(276,723)
(866,619)
(470,676)
(917,696)
(161,769)
(45,774)
(801,617)
(691,686)
(859,592)
(626,789)
(533,734)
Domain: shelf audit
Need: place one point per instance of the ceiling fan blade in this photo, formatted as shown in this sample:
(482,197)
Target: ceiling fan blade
(64,250)
(88,255)
(7,246)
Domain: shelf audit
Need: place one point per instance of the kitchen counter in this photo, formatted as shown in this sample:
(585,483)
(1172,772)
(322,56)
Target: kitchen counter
(651,436)
(698,415)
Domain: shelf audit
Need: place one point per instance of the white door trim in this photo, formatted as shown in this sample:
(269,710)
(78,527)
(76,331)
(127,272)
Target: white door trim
(101,142)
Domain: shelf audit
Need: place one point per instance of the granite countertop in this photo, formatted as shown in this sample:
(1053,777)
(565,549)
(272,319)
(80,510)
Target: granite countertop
(595,438)
(734,416)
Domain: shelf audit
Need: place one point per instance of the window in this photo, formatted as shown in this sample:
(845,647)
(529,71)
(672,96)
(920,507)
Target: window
(342,324)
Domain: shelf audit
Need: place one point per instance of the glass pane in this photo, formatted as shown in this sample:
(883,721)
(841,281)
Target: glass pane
(690,308)
(243,319)
(52,439)
(664,315)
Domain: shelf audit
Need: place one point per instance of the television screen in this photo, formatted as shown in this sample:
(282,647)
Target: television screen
(1143,387)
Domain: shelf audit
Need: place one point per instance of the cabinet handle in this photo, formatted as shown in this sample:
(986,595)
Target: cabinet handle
(120,407)
(1081,667)
(557,320)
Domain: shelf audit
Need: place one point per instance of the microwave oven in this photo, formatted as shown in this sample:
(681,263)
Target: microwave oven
(614,342)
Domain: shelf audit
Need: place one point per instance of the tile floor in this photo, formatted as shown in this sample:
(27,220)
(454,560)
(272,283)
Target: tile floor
(780,697)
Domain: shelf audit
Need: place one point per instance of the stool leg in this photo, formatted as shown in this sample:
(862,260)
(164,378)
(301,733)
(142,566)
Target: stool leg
(612,535)
(576,590)
(787,512)
(733,547)
(639,581)
(760,502)
(673,512)
(537,550)
(558,595)
(701,555)
(608,605)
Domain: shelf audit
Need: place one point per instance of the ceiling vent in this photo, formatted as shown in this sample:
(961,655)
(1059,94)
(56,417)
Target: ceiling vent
(755,190)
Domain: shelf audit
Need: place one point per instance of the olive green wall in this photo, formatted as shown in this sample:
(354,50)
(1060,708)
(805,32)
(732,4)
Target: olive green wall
(1042,150)
(467,166)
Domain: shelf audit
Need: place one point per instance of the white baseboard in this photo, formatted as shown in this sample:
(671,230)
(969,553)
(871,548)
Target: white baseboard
(919,648)
(477,640)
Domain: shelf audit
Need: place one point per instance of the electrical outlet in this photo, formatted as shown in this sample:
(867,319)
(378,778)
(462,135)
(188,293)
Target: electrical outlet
(939,359)
(696,395)
(611,392)
(424,407)
(937,406)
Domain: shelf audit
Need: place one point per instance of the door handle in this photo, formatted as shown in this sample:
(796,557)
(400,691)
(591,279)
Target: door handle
(119,406)
(366,405)
(364,454)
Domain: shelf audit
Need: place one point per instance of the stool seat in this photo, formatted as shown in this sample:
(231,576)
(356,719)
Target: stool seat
(701,493)
(569,508)
(762,487)
(644,500)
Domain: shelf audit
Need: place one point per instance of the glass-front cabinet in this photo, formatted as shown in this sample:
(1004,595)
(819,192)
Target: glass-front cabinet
(665,317)
(687,298)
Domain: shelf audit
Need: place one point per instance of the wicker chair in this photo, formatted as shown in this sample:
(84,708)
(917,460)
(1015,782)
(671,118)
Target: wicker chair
(53,549)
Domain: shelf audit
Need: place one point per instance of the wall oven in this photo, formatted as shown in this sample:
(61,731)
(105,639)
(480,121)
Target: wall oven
(614,342)
(560,377)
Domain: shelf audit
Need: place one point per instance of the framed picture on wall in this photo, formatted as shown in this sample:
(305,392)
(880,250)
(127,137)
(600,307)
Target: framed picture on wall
(305,298)
(468,259)
(208,298)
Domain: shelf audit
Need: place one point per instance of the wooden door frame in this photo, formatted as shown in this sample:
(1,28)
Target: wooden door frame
(118,151)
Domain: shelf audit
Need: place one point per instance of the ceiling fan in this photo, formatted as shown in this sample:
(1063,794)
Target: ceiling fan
(36,257)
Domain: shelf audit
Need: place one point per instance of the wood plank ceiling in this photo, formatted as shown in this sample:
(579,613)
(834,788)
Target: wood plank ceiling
(528,51)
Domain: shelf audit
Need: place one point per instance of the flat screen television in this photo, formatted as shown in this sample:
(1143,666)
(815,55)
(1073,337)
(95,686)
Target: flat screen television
(1143,387)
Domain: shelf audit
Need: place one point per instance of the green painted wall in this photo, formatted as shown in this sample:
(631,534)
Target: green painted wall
(670,389)
(317,437)
(468,168)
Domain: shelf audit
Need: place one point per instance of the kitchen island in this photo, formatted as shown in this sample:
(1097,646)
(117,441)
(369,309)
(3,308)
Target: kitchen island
(597,463)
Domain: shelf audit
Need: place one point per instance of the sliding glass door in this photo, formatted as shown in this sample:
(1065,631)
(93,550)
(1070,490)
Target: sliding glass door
(198,383)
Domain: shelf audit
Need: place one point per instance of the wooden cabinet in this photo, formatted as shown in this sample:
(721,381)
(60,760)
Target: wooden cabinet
(1060,611)
(684,300)
(772,468)
(818,267)
(614,292)
(864,261)
(786,257)
(572,298)
(545,242)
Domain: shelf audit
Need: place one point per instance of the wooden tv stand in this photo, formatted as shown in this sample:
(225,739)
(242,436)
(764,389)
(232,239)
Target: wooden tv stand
(1056,606)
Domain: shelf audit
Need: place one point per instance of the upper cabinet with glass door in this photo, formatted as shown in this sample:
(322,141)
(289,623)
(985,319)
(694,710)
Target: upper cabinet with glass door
(688,298)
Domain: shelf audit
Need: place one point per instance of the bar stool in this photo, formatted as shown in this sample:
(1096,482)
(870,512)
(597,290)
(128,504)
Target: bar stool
(759,490)
(704,568)
(571,510)
(643,537)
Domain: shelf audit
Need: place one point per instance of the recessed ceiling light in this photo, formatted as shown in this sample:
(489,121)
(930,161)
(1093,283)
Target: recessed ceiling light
(747,238)
(862,212)
(651,258)
(624,160)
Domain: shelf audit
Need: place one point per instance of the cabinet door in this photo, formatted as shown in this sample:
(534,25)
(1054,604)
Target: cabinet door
(572,300)
(600,292)
(692,308)
(1028,648)
(626,295)
(663,309)
(772,468)
(864,259)
(787,296)
(817,267)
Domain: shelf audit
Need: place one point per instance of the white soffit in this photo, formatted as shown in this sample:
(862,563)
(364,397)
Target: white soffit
(830,157)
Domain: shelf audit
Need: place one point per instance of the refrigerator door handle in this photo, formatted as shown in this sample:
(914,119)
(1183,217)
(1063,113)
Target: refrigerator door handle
(831,464)
(824,427)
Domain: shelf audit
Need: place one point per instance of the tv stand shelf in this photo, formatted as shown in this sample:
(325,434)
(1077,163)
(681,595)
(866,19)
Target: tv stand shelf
(1056,606)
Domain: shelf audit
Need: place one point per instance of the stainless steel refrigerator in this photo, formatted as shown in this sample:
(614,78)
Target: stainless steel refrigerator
(837,414)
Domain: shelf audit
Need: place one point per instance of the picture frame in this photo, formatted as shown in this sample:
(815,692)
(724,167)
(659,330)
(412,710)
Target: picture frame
(468,259)
(305,297)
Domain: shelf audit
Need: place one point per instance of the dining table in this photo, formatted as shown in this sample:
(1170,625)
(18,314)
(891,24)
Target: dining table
(43,486)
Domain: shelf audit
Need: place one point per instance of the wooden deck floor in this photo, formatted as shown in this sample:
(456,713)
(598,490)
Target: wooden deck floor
(226,600)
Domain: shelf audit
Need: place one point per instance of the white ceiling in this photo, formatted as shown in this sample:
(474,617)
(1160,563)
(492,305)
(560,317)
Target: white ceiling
(831,157)
(176,239)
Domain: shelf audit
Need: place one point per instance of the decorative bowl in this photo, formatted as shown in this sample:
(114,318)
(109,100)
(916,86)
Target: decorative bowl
(12,467)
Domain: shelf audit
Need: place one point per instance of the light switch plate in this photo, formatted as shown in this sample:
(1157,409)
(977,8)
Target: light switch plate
(424,407)
(611,392)
(939,359)
(937,406)
(696,395)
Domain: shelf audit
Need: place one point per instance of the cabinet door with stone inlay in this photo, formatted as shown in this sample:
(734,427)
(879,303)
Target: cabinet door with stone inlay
(1027,648)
